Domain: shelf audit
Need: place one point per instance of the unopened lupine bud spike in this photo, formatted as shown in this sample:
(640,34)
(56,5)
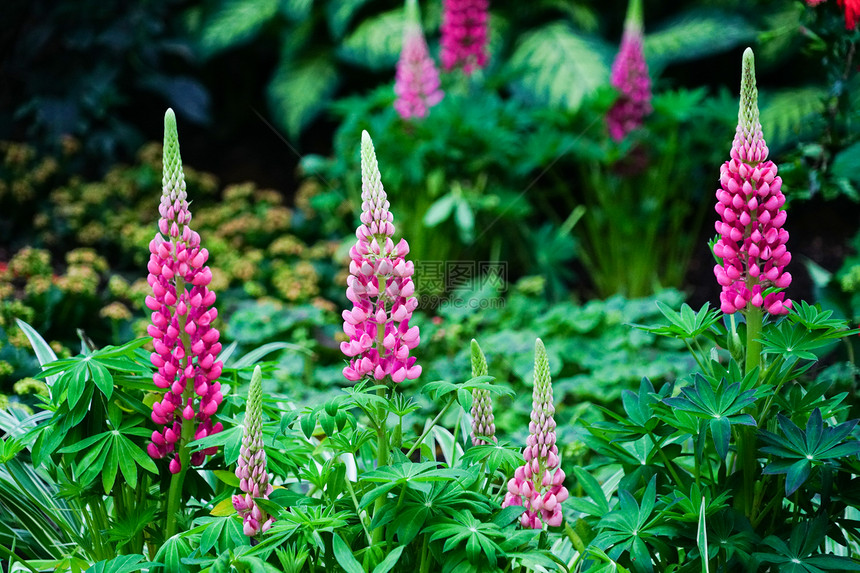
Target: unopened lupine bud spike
(251,466)
(541,478)
(752,243)
(483,421)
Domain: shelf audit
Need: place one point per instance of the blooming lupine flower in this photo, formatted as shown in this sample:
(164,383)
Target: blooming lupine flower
(380,288)
(630,78)
(752,241)
(417,84)
(185,341)
(464,34)
(251,467)
(852,12)
(538,485)
(483,426)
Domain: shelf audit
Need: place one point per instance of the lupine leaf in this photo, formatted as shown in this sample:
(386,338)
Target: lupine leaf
(235,21)
(695,34)
(44,353)
(299,90)
(344,555)
(556,66)
(376,42)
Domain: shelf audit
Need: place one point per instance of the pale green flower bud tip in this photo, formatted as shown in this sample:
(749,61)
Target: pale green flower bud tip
(748,115)
(412,15)
(542,376)
(633,20)
(255,392)
(479,361)
(172,162)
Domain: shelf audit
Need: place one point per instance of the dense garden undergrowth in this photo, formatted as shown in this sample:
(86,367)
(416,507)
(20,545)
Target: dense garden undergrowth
(226,380)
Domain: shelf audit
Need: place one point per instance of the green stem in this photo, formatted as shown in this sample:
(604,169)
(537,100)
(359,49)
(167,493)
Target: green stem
(666,460)
(747,443)
(382,460)
(358,511)
(15,559)
(430,427)
(425,558)
(456,433)
(574,538)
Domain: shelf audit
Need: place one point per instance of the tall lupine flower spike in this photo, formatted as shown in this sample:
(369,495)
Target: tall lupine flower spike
(538,485)
(464,34)
(630,78)
(417,84)
(751,244)
(380,288)
(483,425)
(251,467)
(185,341)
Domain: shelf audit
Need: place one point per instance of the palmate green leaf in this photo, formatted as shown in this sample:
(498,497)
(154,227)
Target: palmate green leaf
(299,90)
(790,341)
(235,21)
(171,554)
(805,449)
(376,42)
(684,323)
(800,554)
(500,455)
(556,66)
(695,34)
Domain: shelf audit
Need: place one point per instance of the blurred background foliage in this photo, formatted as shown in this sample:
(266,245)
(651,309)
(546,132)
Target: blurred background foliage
(514,166)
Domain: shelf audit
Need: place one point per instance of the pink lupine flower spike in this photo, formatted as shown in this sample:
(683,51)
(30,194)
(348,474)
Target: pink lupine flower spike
(752,240)
(417,83)
(380,289)
(186,344)
(251,467)
(630,78)
(464,34)
(538,485)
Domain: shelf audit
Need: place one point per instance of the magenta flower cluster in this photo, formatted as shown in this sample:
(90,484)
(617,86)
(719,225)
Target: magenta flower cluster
(417,83)
(538,485)
(251,466)
(464,34)
(186,344)
(630,78)
(380,288)
(752,241)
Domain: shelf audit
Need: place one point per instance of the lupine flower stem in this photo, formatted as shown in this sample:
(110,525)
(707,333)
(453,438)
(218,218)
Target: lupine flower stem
(174,494)
(433,423)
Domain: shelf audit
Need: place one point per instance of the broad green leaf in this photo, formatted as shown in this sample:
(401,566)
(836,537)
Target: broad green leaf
(235,21)
(44,352)
(390,561)
(299,90)
(846,163)
(376,42)
(439,210)
(556,66)
(344,555)
(695,34)
(786,116)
